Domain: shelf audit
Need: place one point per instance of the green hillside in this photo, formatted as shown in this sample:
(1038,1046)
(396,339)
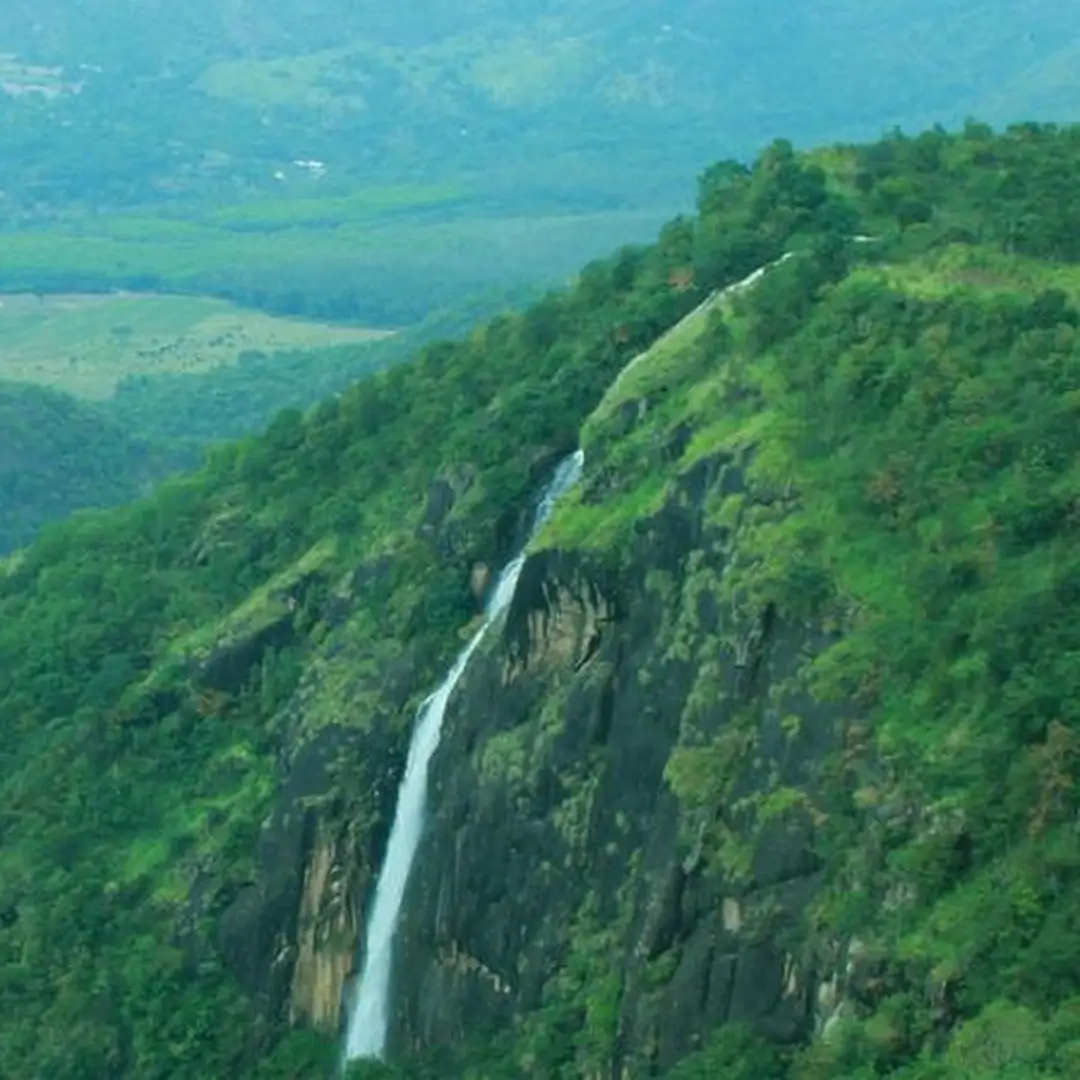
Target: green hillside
(768,774)
(58,455)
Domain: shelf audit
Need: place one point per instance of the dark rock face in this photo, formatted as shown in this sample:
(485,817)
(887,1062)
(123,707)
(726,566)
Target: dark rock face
(259,930)
(229,664)
(440,502)
(551,804)
(290,935)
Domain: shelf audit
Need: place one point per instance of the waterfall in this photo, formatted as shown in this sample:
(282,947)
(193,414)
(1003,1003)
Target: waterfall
(370,1016)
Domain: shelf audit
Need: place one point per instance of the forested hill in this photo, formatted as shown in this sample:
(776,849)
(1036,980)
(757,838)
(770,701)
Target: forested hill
(58,455)
(770,771)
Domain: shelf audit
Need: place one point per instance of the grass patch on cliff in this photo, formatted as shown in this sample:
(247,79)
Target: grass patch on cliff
(271,603)
(651,371)
(604,526)
(238,786)
(504,758)
(648,428)
(959,267)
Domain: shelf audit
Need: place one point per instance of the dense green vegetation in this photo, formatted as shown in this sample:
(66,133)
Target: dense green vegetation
(911,401)
(58,455)
(101,620)
(351,476)
(923,414)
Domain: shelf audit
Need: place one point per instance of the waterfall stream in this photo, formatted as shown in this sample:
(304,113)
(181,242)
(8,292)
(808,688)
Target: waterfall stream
(370,1016)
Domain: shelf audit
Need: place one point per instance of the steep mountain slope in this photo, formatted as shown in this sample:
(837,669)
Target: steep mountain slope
(779,730)
(769,770)
(58,455)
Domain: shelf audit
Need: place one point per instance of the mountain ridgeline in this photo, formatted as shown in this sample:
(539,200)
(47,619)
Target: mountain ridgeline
(768,772)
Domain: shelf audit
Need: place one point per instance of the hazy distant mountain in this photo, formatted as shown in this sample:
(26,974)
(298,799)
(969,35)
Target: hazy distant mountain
(430,87)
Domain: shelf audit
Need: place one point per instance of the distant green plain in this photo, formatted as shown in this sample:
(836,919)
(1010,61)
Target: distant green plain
(192,240)
(372,258)
(85,343)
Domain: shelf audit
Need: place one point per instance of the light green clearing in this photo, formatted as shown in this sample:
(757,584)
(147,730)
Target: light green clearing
(85,344)
(536,68)
(959,267)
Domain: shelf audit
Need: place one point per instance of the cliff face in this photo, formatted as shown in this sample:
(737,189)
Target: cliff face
(292,933)
(573,859)
(714,770)
(556,837)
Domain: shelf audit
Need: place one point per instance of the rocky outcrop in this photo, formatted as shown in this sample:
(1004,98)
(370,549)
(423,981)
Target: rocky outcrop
(292,933)
(574,829)
(267,620)
(622,810)
(288,935)
(326,932)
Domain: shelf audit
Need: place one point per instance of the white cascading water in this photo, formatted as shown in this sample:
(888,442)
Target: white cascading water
(368,1022)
